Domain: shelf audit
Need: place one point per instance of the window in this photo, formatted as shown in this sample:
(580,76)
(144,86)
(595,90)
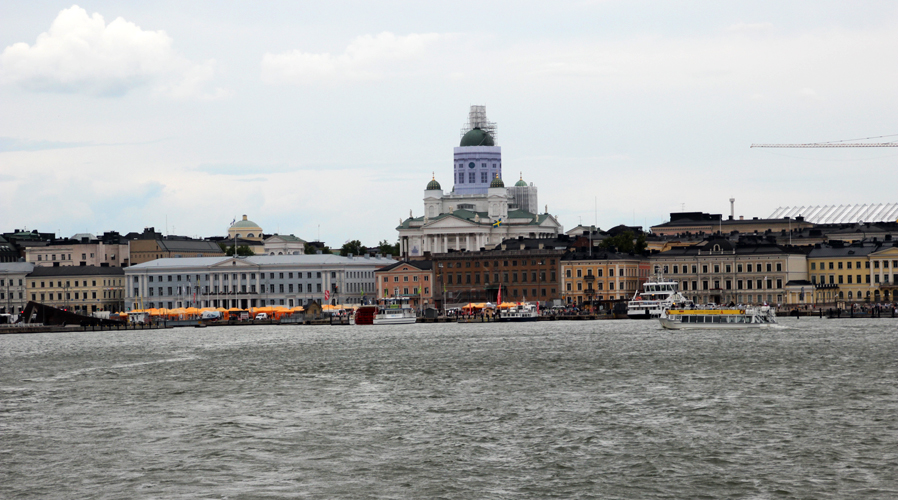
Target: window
(461,177)
(483,177)
(717,269)
(779,266)
(814,266)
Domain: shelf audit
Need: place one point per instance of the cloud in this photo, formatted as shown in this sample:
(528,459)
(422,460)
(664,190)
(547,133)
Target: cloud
(365,58)
(82,54)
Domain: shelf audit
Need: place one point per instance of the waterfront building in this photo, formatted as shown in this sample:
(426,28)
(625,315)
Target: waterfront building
(13,286)
(601,276)
(254,281)
(749,271)
(108,250)
(863,271)
(525,269)
(81,289)
(480,211)
(884,268)
(411,279)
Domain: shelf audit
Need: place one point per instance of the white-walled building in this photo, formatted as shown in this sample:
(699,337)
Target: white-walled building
(480,211)
(255,281)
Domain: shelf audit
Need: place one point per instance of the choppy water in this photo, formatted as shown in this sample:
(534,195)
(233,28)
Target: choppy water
(601,409)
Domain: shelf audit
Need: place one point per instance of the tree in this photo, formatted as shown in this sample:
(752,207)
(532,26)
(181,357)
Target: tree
(242,250)
(623,242)
(313,249)
(384,247)
(353,247)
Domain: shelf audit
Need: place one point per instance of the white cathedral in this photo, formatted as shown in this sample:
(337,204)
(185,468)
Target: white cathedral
(480,211)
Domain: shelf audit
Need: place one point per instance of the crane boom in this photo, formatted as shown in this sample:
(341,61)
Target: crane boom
(837,144)
(830,145)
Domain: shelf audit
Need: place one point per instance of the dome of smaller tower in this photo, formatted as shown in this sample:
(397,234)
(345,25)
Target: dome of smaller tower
(497,182)
(434,185)
(521,182)
(477,137)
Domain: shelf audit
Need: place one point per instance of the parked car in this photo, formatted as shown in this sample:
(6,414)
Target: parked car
(262,316)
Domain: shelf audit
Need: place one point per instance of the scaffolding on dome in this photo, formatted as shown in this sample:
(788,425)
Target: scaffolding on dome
(840,214)
(477,119)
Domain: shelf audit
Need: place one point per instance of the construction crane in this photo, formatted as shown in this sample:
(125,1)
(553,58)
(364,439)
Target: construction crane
(838,144)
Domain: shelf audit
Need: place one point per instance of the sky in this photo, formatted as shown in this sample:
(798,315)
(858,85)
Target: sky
(327,119)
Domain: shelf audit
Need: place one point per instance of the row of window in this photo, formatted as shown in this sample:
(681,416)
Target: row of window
(505,277)
(849,279)
(405,278)
(63,256)
(10,282)
(857,264)
(727,268)
(514,263)
(621,272)
(252,276)
(599,286)
(405,291)
(110,294)
(12,295)
(68,283)
(216,289)
(484,177)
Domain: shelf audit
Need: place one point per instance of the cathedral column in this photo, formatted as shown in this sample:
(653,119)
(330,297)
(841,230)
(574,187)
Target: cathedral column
(468,242)
(446,242)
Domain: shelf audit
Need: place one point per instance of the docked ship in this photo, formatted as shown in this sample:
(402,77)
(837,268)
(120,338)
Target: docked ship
(386,312)
(718,319)
(520,312)
(656,295)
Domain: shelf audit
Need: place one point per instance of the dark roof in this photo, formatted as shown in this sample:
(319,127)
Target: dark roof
(836,250)
(423,265)
(477,137)
(601,255)
(76,271)
(189,246)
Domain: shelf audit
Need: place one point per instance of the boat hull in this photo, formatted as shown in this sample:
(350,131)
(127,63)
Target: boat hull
(394,321)
(644,314)
(677,325)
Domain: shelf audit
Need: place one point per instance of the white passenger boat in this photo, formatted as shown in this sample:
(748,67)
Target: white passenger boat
(656,295)
(718,319)
(386,312)
(521,312)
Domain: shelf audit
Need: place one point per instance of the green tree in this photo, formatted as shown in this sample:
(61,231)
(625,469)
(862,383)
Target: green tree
(622,243)
(384,247)
(353,247)
(313,249)
(242,250)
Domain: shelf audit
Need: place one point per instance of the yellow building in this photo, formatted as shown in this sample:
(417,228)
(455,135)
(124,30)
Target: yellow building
(604,276)
(81,289)
(859,272)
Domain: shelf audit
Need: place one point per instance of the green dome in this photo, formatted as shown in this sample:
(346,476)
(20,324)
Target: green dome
(433,184)
(497,183)
(520,183)
(477,137)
